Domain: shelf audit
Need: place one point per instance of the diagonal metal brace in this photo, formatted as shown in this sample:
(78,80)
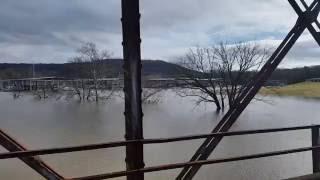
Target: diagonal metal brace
(308,17)
(304,21)
(34,162)
(305,5)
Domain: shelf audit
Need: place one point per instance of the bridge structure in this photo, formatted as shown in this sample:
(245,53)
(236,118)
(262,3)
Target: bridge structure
(134,143)
(55,83)
(29,84)
(61,83)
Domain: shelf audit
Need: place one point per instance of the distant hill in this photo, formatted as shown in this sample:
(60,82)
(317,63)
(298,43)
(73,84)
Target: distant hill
(157,68)
(149,67)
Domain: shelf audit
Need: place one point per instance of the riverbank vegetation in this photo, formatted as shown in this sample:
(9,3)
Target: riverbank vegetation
(304,89)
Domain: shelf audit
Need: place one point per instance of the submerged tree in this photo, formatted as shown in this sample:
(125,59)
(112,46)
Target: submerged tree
(152,95)
(90,63)
(219,73)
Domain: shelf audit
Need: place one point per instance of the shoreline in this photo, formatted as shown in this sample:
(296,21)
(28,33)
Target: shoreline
(304,89)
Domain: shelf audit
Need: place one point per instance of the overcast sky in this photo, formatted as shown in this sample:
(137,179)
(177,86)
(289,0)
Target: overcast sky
(51,30)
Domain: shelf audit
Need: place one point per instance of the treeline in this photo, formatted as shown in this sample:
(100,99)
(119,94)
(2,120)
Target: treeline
(113,68)
(296,75)
(24,70)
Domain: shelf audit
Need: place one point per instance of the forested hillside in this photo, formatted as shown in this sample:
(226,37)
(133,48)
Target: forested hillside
(113,68)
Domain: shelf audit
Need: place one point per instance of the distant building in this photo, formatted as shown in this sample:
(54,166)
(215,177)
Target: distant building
(313,80)
(275,83)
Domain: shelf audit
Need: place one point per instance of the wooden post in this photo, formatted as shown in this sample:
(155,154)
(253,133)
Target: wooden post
(132,85)
(316,152)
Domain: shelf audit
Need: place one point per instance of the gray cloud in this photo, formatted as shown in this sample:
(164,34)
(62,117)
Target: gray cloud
(44,30)
(50,30)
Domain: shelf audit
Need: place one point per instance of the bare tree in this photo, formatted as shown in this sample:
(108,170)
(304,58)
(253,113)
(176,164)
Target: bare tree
(93,67)
(45,90)
(148,95)
(219,73)
(152,93)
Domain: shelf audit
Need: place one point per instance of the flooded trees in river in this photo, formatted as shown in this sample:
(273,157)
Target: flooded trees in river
(218,74)
(90,61)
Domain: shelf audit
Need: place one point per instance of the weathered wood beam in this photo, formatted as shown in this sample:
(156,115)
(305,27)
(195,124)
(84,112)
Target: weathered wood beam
(132,85)
(34,162)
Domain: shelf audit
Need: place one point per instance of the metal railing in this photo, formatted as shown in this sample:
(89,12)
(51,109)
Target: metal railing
(133,111)
(315,148)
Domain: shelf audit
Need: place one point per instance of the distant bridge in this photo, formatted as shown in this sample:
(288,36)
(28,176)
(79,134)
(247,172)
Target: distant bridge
(55,83)
(28,84)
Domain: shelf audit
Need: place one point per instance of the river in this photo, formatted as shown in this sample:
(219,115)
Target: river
(55,123)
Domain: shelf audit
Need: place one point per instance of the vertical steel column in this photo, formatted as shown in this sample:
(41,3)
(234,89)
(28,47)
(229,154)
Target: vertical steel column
(132,85)
(315,153)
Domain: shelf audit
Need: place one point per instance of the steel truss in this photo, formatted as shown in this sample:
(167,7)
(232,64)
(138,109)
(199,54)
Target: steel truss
(306,20)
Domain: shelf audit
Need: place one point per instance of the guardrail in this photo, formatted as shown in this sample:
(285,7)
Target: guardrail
(315,148)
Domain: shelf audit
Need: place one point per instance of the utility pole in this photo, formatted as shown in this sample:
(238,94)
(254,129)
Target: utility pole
(33,70)
(33,76)
(132,85)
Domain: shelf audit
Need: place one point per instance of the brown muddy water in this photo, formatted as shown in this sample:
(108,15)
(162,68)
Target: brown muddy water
(57,123)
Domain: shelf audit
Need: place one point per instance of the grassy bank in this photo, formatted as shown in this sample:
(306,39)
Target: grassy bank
(305,89)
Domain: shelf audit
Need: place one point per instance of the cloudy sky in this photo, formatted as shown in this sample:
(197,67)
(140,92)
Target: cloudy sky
(51,30)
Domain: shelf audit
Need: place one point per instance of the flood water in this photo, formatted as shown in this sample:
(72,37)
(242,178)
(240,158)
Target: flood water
(57,123)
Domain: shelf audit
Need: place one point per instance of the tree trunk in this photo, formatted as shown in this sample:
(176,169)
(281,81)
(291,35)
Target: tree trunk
(222,104)
(44,93)
(97,98)
(221,96)
(217,102)
(95,84)
(83,90)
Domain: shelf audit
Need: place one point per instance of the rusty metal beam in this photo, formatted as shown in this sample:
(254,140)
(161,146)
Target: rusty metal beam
(305,5)
(194,163)
(315,153)
(308,17)
(34,162)
(88,147)
(314,148)
(304,21)
(132,85)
